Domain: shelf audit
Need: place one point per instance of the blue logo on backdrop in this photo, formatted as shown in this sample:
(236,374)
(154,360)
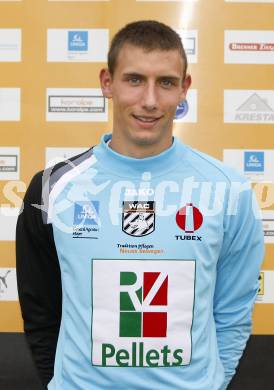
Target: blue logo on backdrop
(78,40)
(86,219)
(254,161)
(182,110)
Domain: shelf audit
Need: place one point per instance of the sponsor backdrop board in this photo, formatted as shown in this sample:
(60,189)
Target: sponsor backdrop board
(244,106)
(9,163)
(55,155)
(256,165)
(51,105)
(76,105)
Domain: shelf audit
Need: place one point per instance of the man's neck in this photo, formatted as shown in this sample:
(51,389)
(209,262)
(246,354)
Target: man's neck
(136,150)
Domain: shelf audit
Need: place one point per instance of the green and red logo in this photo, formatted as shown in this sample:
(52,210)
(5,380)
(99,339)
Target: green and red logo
(142,312)
(143,308)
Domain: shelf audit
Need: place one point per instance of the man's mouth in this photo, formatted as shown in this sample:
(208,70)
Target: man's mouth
(146,119)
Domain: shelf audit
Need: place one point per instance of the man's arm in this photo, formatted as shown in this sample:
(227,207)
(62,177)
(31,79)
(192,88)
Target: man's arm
(237,282)
(39,281)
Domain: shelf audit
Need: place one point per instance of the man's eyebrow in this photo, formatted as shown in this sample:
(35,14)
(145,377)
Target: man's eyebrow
(164,77)
(131,74)
(173,78)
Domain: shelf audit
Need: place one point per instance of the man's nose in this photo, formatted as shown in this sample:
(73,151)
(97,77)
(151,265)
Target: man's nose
(150,97)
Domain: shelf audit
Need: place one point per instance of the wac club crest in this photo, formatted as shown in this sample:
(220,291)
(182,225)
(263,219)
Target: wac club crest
(138,218)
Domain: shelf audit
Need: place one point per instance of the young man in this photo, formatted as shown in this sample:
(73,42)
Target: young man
(159,246)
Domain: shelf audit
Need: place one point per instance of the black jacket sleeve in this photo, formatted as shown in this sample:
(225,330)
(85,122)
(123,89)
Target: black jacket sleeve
(39,281)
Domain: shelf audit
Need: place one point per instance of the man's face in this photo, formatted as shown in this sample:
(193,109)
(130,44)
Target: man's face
(146,88)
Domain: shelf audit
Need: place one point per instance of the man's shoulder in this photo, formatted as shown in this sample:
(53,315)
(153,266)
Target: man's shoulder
(211,168)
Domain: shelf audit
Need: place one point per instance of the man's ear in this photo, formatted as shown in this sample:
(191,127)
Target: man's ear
(106,83)
(185,86)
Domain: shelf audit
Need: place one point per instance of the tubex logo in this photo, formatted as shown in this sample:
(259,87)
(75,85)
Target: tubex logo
(143,304)
(189,218)
(254,161)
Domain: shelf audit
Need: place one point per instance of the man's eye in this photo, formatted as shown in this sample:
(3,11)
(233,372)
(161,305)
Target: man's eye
(134,80)
(166,83)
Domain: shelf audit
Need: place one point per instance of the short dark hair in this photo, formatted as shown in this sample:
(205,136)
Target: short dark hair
(148,35)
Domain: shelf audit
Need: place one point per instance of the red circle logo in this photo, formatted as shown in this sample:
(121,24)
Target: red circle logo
(189,218)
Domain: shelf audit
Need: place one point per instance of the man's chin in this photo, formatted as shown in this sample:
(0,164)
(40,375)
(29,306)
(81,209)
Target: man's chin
(145,139)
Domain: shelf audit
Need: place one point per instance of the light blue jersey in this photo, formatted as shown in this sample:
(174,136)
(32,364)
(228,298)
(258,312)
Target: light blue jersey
(159,262)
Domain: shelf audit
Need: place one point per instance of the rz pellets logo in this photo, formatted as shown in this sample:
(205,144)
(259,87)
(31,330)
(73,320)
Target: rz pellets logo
(143,308)
(142,312)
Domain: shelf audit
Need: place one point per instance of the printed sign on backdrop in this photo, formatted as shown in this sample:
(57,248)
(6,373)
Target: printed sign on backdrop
(10,45)
(8,284)
(249,106)
(187,110)
(250,1)
(268,226)
(249,47)
(266,287)
(56,155)
(77,45)
(10,104)
(77,1)
(257,165)
(167,1)
(8,219)
(190,43)
(9,163)
(76,105)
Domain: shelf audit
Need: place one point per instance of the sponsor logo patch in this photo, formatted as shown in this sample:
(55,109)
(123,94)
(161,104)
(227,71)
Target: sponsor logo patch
(138,218)
(86,219)
(261,284)
(182,110)
(142,312)
(249,46)
(254,161)
(77,45)
(77,40)
(187,111)
(190,43)
(189,218)
(133,321)
(256,165)
(247,106)
(266,287)
(8,284)
(76,104)
(268,226)
(9,163)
